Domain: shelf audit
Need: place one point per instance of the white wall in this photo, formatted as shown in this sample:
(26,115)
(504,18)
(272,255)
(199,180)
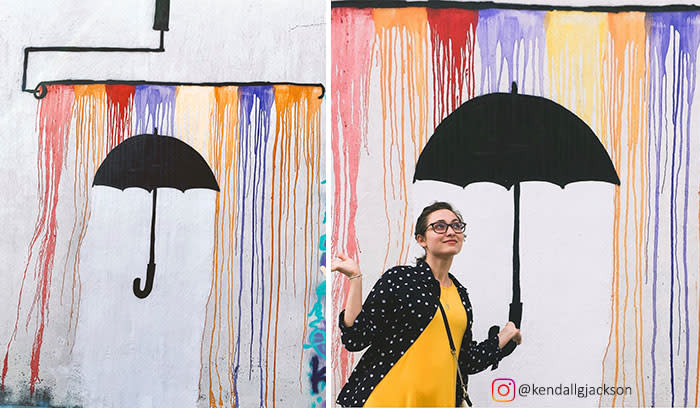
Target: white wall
(208,41)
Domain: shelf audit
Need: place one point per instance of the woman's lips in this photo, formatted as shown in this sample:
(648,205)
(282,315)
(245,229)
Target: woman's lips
(451,241)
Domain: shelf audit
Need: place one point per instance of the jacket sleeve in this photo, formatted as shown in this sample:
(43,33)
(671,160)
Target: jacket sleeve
(370,320)
(476,357)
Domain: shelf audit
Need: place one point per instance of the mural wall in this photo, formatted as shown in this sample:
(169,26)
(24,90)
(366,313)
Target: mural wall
(233,306)
(609,273)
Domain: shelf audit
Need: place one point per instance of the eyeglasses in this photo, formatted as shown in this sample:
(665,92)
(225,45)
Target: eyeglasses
(440,227)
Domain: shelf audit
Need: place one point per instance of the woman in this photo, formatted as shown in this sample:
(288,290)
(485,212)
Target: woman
(409,360)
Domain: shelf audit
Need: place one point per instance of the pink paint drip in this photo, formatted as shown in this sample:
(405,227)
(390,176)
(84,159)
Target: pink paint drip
(352,40)
(54,121)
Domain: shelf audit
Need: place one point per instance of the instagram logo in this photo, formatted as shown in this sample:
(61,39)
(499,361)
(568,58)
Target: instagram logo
(503,390)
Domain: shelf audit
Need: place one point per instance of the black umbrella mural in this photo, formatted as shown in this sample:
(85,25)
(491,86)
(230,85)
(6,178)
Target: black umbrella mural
(151,162)
(508,138)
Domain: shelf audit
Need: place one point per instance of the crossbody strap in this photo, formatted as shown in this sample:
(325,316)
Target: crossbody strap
(454,354)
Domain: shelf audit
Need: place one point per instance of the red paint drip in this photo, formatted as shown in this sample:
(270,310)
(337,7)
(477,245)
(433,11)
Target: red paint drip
(452,34)
(352,38)
(55,112)
(120,100)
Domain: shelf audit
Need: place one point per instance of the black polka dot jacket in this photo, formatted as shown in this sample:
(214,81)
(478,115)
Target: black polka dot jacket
(399,307)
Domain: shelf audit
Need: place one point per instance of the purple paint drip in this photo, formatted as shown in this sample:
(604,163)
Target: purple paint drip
(511,29)
(685,26)
(245,108)
(692,34)
(255,104)
(154,107)
(266,95)
(658,47)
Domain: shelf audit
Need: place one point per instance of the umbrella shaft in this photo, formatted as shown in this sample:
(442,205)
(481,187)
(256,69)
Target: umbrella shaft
(153,226)
(516,243)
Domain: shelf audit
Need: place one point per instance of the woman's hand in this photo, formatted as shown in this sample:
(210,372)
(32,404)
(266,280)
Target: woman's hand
(353,304)
(345,265)
(509,332)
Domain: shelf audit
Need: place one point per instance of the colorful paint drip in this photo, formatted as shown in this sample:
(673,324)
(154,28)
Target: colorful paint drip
(263,144)
(630,75)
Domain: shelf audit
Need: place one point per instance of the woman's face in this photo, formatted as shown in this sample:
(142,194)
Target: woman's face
(448,243)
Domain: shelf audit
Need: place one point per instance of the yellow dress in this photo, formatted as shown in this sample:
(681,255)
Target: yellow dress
(426,375)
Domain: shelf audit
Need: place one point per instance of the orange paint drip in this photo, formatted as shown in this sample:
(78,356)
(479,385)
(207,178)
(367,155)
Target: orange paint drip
(298,129)
(89,150)
(401,37)
(223,148)
(228,136)
(629,41)
(624,112)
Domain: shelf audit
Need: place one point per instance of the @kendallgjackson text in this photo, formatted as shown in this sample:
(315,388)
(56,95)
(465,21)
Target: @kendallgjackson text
(572,389)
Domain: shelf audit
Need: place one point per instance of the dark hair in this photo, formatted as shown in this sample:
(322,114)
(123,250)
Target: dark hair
(422,221)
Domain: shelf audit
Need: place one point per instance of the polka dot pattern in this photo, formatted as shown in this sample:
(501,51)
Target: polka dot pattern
(395,313)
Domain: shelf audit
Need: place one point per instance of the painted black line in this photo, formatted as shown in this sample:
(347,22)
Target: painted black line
(160,23)
(481,5)
(44,84)
(38,92)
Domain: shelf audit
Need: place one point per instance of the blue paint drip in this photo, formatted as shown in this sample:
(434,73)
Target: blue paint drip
(244,113)
(685,26)
(255,105)
(658,47)
(266,95)
(511,29)
(690,72)
(154,106)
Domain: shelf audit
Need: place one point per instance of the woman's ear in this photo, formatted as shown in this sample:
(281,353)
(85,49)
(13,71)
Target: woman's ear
(421,240)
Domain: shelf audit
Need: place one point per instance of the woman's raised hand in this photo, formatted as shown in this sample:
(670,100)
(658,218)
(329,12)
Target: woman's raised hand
(507,333)
(345,265)
(353,304)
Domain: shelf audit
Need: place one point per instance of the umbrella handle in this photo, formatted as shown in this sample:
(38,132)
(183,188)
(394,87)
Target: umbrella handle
(150,272)
(515,313)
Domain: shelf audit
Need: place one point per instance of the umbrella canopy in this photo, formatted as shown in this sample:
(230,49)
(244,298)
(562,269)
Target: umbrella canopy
(151,162)
(507,138)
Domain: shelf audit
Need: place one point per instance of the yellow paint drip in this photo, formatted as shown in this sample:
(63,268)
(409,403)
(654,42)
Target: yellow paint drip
(575,46)
(222,152)
(193,115)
